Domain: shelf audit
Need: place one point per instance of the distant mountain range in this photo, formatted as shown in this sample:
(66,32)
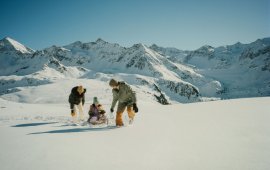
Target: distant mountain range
(168,74)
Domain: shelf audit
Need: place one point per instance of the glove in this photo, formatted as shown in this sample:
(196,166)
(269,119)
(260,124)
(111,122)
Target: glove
(135,108)
(72,113)
(111,110)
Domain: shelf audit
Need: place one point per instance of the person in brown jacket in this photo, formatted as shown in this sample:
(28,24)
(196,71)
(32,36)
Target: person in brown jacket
(126,98)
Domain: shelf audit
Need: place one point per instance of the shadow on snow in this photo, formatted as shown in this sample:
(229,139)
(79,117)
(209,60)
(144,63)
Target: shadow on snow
(74,130)
(33,124)
(70,130)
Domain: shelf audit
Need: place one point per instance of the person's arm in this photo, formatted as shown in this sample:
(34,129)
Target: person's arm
(90,111)
(115,99)
(71,102)
(133,97)
(71,106)
(83,98)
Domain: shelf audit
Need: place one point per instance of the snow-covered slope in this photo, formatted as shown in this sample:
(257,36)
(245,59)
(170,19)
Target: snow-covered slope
(220,135)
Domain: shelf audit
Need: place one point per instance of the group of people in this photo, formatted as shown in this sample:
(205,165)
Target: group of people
(122,93)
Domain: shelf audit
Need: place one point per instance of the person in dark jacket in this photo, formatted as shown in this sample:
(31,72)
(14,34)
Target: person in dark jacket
(126,98)
(76,100)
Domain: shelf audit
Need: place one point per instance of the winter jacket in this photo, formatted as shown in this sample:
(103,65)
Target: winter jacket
(75,97)
(124,95)
(96,111)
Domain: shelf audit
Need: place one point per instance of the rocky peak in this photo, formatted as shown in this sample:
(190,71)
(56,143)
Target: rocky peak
(7,44)
(139,47)
(260,43)
(154,47)
(206,49)
(76,44)
(101,41)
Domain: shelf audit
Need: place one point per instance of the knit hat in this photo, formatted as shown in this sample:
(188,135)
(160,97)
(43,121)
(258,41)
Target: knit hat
(113,83)
(95,100)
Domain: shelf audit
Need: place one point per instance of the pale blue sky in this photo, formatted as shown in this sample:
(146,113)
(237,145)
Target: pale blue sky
(184,24)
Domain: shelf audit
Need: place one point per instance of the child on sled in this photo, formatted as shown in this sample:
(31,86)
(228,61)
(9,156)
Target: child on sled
(96,113)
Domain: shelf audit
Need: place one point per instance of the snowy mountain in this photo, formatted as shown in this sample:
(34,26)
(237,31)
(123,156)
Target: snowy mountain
(168,75)
(242,69)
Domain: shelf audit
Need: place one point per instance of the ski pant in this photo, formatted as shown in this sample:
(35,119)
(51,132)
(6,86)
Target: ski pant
(79,108)
(120,110)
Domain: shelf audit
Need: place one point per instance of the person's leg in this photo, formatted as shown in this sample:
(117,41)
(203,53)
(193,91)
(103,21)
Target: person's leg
(74,115)
(121,108)
(80,107)
(131,114)
(93,120)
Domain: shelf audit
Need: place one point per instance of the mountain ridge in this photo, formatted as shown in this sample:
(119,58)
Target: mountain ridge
(175,75)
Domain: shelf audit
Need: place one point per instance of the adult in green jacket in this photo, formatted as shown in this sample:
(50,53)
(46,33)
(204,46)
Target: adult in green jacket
(126,98)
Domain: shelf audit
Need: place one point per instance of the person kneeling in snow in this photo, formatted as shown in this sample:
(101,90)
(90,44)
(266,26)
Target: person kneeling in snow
(96,113)
(76,98)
